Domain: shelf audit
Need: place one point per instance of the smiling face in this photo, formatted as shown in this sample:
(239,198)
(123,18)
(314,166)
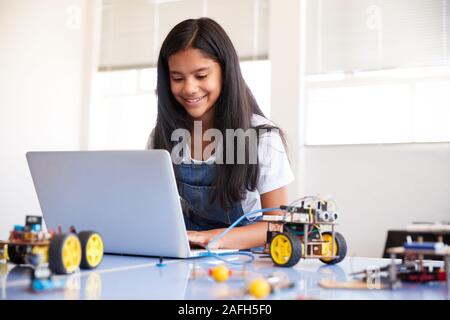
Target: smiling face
(195,82)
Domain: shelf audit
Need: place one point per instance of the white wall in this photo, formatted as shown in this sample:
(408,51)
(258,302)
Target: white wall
(43,74)
(376,187)
(286,88)
(380,188)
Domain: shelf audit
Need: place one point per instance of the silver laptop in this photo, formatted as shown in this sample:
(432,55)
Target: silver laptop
(129,197)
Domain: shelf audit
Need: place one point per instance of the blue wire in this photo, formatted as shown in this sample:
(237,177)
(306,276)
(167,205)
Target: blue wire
(219,256)
(220,236)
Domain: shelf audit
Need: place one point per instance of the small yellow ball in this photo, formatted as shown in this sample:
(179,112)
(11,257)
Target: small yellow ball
(220,273)
(259,288)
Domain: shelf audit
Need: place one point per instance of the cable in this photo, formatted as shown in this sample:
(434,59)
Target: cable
(305,198)
(220,236)
(219,256)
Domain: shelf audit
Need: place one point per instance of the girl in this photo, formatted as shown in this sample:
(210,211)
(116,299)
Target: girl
(200,82)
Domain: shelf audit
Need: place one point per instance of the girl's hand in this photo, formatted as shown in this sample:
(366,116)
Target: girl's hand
(202,238)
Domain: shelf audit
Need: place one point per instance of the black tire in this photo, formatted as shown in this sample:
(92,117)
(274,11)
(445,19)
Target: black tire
(55,253)
(84,237)
(341,248)
(296,250)
(17,253)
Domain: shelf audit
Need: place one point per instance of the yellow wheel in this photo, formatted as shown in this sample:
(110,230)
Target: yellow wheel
(3,269)
(340,247)
(285,249)
(40,254)
(92,246)
(64,253)
(5,253)
(259,288)
(17,252)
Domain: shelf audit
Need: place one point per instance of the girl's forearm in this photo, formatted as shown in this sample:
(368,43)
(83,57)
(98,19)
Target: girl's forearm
(245,237)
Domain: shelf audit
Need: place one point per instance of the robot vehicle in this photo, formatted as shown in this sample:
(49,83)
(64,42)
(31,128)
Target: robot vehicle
(63,252)
(298,233)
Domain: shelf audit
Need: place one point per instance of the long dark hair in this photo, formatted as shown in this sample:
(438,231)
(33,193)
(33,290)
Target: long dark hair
(233,109)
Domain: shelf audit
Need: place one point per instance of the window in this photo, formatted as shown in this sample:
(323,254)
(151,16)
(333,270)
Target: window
(377,71)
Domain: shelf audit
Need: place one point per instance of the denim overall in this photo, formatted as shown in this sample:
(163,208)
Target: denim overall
(195,185)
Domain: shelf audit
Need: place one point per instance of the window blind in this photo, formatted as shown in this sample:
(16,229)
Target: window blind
(133,30)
